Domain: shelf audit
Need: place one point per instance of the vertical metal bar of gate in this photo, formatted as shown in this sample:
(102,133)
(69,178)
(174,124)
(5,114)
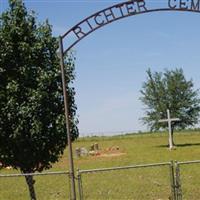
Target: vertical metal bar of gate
(80,188)
(172,180)
(178,182)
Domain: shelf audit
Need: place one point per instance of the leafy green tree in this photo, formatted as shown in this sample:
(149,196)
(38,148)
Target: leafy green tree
(32,121)
(169,90)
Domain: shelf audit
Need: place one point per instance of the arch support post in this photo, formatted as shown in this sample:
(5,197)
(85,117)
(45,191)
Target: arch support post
(66,106)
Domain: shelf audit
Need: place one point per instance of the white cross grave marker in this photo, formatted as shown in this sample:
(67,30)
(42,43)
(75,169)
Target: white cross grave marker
(169,120)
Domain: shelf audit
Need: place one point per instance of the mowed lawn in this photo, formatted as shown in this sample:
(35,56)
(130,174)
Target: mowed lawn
(142,183)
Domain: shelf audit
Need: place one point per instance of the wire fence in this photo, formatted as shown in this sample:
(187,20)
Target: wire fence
(188,180)
(151,181)
(169,180)
(48,186)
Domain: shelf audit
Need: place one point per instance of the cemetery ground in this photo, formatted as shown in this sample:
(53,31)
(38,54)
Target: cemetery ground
(142,183)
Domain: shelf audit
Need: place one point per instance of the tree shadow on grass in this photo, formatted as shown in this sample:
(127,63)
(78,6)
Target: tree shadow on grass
(179,145)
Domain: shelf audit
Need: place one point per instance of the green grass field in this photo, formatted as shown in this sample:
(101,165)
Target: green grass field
(144,183)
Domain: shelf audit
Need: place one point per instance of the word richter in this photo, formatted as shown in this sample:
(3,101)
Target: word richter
(126,9)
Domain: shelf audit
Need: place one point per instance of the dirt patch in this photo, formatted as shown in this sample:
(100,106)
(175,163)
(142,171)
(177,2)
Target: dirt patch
(111,154)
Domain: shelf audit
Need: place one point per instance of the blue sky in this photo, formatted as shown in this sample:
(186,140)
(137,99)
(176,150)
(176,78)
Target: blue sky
(112,61)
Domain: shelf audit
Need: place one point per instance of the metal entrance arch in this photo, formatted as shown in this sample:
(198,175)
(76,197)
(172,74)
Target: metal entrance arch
(98,20)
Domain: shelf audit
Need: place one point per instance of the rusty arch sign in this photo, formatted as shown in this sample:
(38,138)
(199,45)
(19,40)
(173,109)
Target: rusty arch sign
(98,20)
(122,10)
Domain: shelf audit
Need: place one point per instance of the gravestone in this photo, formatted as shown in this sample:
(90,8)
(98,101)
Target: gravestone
(96,146)
(83,151)
(77,152)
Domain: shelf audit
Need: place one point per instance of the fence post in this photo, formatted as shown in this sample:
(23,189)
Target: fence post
(70,193)
(172,180)
(80,188)
(178,182)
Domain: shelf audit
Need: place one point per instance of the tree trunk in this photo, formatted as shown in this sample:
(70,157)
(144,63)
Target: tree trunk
(173,136)
(30,182)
